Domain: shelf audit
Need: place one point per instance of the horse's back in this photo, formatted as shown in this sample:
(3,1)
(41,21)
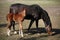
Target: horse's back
(16,8)
(32,11)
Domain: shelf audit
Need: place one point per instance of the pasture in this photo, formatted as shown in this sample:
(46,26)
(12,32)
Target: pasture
(51,6)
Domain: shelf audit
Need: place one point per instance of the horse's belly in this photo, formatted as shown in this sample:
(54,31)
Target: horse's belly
(28,17)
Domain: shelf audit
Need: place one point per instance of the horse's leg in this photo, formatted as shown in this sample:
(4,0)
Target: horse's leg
(9,28)
(37,24)
(30,24)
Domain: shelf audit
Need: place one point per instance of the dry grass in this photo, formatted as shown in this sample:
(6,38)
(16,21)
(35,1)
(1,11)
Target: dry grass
(53,9)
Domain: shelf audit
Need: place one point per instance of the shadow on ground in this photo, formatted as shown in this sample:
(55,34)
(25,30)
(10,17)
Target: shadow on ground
(3,25)
(34,30)
(40,30)
(41,37)
(34,38)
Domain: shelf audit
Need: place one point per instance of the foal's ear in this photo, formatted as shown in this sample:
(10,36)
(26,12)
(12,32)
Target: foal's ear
(23,12)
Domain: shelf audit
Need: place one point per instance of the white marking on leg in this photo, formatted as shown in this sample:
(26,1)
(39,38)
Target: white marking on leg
(20,29)
(8,32)
(21,33)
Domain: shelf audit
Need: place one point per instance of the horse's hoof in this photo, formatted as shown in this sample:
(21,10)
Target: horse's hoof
(15,32)
(51,33)
(21,35)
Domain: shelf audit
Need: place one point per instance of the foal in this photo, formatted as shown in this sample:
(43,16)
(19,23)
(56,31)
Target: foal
(15,16)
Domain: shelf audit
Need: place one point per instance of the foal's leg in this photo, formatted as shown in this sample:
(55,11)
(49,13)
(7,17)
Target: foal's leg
(30,24)
(13,24)
(20,29)
(20,18)
(9,28)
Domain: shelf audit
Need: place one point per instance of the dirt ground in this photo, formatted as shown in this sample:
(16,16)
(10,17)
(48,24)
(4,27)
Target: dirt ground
(54,13)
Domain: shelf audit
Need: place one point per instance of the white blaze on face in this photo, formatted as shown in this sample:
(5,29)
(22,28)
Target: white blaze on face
(48,28)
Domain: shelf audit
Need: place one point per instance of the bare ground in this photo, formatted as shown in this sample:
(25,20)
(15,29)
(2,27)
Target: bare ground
(54,13)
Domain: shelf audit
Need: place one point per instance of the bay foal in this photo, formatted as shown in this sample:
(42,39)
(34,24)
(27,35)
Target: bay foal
(17,15)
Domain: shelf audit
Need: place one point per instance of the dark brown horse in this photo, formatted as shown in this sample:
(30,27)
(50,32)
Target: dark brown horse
(19,12)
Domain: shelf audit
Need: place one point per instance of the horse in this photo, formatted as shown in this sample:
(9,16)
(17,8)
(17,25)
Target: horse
(18,12)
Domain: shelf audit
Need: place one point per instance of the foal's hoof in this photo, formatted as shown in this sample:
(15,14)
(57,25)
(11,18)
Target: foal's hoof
(22,35)
(8,34)
(15,32)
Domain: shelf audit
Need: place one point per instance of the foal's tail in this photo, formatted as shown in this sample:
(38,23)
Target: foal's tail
(16,11)
(13,10)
